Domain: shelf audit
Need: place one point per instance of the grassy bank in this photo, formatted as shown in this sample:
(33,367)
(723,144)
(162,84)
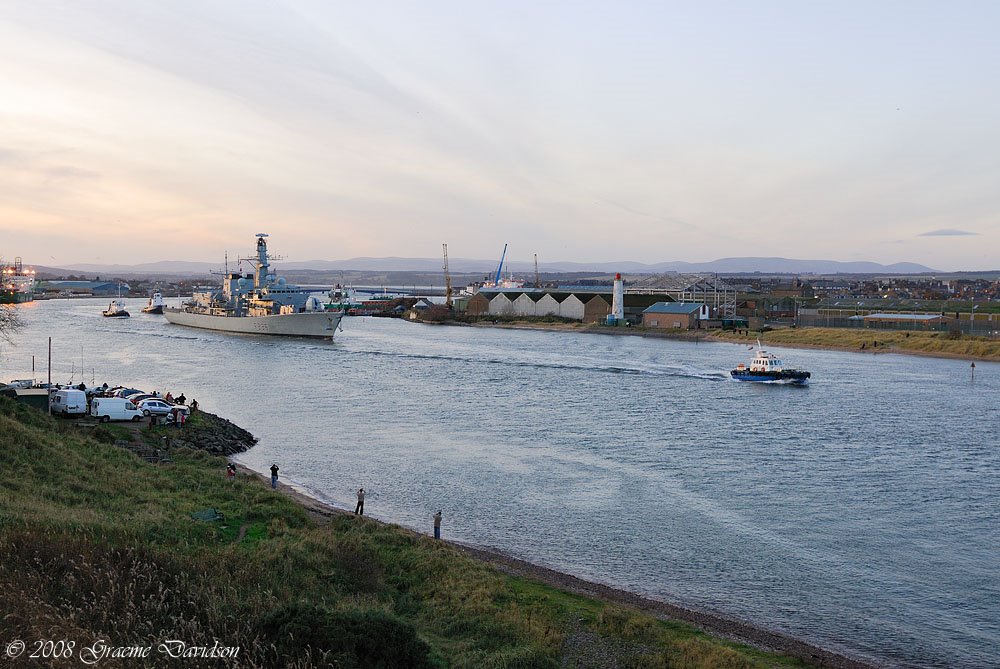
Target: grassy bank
(945,344)
(891,341)
(97,543)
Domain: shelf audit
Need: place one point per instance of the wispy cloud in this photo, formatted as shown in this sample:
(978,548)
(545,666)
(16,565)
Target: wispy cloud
(394,129)
(947,232)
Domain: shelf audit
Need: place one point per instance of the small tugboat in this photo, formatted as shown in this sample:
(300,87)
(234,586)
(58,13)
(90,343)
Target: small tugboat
(116,310)
(117,307)
(766,368)
(155,305)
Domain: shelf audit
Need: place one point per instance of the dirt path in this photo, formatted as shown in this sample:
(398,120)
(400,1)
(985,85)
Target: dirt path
(242,533)
(711,623)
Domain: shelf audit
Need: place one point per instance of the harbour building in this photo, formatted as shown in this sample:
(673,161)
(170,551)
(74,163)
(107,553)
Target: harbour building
(96,288)
(593,304)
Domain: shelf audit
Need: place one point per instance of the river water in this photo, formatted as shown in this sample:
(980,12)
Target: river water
(860,513)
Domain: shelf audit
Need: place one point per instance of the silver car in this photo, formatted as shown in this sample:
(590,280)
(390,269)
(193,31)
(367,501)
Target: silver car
(157,407)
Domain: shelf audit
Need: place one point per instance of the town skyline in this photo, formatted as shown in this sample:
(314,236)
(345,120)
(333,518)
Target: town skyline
(134,133)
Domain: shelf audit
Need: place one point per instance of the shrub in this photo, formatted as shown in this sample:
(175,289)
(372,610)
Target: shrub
(345,638)
(359,567)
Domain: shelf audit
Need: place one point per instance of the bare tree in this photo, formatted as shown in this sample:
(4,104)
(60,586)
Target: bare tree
(10,321)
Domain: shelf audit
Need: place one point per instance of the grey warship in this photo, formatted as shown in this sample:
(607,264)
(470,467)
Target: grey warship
(258,302)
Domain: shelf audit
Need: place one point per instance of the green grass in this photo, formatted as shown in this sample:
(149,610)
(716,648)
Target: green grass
(909,341)
(96,543)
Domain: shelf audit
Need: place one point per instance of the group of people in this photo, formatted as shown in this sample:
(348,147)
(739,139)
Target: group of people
(359,509)
(180,399)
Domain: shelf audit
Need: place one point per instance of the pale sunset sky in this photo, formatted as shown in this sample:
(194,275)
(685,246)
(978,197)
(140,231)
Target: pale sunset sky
(134,131)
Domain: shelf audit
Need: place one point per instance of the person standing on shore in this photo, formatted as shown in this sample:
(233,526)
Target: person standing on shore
(437,525)
(359,510)
(274,475)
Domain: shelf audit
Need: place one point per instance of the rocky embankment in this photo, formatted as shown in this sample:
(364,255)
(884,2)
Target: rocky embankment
(208,432)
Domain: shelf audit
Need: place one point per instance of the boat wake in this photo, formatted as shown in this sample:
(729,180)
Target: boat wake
(661,371)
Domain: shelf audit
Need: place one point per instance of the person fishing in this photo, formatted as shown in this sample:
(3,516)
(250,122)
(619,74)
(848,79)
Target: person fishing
(360,508)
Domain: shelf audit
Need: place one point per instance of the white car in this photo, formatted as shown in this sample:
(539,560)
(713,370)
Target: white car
(157,407)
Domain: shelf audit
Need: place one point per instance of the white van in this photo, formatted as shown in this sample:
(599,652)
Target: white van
(68,402)
(114,408)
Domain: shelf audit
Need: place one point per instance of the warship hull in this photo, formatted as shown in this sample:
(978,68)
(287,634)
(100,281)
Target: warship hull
(320,324)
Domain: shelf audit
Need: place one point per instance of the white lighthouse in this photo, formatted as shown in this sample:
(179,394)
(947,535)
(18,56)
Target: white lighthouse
(617,314)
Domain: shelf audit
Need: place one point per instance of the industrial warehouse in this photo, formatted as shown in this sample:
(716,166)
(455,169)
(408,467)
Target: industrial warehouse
(696,302)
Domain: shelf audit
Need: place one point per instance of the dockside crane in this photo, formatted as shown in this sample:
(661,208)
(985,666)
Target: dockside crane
(447,278)
(538,283)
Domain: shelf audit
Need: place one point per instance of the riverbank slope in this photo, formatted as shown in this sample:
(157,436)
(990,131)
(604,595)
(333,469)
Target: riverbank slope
(99,539)
(934,344)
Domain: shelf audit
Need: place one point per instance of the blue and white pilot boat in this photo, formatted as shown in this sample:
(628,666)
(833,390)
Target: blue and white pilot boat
(766,368)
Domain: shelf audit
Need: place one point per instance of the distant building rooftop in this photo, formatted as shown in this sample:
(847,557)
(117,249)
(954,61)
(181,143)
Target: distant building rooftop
(673,308)
(86,284)
(573,288)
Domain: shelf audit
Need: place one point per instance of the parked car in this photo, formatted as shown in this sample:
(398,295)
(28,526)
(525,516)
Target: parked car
(125,392)
(139,397)
(114,408)
(155,406)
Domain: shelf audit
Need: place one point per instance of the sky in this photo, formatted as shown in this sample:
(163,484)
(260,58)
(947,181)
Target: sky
(133,131)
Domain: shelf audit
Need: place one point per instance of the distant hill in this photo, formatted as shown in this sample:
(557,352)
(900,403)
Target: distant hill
(161,267)
(394,264)
(791,266)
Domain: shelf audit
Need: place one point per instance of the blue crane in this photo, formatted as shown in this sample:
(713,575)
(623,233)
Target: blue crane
(503,255)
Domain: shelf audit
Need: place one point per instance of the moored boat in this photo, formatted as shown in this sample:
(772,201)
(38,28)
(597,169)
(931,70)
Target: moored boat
(258,303)
(16,283)
(766,368)
(341,298)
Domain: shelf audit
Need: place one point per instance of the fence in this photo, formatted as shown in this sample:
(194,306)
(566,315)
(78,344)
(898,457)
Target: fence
(984,325)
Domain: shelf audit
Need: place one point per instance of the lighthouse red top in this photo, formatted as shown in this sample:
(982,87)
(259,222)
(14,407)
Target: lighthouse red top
(618,276)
